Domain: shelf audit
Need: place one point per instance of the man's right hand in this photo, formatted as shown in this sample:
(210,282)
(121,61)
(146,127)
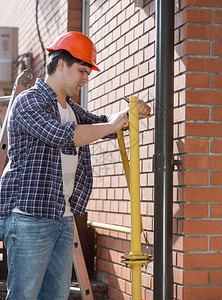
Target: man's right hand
(118,121)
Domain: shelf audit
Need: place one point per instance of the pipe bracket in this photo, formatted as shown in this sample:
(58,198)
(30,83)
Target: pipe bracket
(177,162)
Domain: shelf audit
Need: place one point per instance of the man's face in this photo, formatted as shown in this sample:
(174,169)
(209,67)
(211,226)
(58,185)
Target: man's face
(74,77)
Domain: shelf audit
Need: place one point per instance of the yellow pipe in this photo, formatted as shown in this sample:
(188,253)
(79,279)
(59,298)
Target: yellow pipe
(117,228)
(136,282)
(135,195)
(135,259)
(124,157)
(135,176)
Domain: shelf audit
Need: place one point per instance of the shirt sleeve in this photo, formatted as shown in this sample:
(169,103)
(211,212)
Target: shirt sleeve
(87,117)
(36,117)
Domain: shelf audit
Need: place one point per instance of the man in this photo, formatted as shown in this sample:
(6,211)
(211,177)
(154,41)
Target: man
(49,177)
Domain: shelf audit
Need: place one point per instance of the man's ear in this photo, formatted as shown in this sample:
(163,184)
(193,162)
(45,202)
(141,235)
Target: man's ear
(61,64)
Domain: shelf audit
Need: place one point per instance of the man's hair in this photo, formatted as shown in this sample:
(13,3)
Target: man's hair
(66,56)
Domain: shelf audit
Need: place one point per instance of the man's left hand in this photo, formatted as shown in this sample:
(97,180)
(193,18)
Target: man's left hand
(144,109)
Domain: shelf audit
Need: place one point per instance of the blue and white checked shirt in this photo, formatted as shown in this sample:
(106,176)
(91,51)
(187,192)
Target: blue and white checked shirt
(32,180)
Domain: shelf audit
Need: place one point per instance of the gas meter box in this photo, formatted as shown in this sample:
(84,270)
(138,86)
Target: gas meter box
(8,52)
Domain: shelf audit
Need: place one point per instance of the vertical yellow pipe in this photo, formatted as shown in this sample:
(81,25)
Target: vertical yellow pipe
(136,282)
(135,177)
(135,196)
(135,259)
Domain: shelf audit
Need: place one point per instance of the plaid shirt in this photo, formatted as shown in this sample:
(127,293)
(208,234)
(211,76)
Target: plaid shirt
(32,180)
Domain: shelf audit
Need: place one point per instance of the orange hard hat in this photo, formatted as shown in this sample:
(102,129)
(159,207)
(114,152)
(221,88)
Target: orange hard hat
(77,44)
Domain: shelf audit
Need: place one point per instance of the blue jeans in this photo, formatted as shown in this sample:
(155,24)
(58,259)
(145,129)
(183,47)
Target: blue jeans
(39,254)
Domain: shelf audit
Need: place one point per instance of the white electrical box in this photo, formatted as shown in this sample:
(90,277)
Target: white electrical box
(8,52)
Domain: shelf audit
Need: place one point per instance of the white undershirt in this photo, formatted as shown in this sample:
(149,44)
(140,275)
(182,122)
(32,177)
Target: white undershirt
(69,163)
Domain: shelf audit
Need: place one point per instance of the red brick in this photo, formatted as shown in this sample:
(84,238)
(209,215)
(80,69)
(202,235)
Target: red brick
(192,16)
(74,4)
(203,64)
(75,14)
(74,24)
(216,276)
(195,178)
(204,32)
(195,211)
(203,97)
(202,292)
(215,243)
(217,81)
(195,277)
(216,178)
(203,162)
(203,130)
(197,113)
(216,210)
(202,194)
(192,48)
(217,16)
(200,260)
(201,3)
(197,145)
(216,146)
(197,48)
(197,81)
(217,48)
(216,113)
(195,243)
(202,227)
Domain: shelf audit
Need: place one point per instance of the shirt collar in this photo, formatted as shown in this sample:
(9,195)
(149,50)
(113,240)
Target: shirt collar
(40,83)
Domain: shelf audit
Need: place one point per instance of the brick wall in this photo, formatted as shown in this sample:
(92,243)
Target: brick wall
(124,36)
(125,39)
(198,133)
(74,15)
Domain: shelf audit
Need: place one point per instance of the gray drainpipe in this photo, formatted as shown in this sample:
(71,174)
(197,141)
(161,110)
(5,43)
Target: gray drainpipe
(163,158)
(85,30)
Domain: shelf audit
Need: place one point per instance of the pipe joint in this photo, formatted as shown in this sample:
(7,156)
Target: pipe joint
(136,259)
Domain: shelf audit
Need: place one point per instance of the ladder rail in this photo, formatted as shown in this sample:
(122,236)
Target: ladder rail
(80,267)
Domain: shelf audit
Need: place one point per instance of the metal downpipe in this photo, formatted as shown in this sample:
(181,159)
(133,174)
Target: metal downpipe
(85,30)
(163,158)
